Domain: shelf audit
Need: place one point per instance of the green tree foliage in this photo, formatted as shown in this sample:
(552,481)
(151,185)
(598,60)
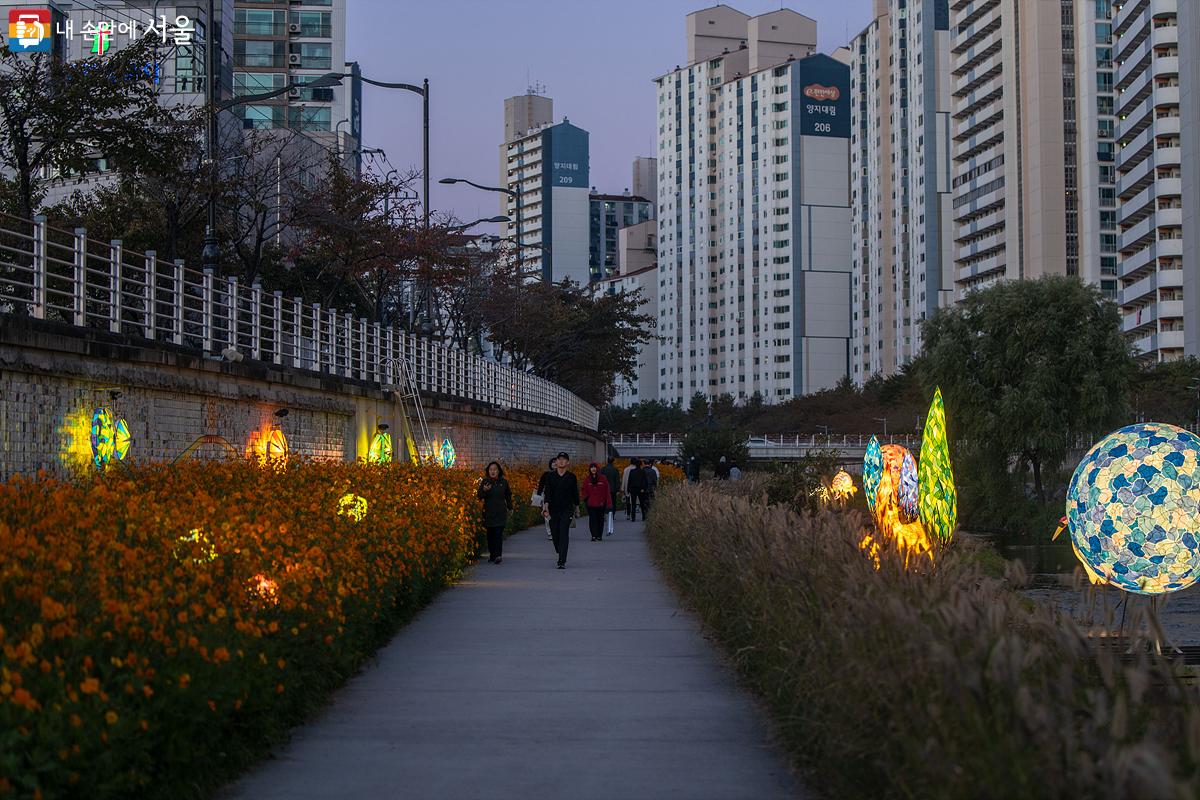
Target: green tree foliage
(1028,368)
(648,416)
(60,115)
(709,444)
(570,336)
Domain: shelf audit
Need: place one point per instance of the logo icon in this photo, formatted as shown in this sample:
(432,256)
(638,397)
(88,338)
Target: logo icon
(29,30)
(816,91)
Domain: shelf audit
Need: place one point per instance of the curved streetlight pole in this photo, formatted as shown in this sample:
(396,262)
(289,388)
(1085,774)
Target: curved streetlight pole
(516,195)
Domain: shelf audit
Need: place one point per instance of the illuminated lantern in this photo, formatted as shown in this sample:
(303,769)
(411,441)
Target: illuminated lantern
(842,485)
(121,440)
(909,537)
(447,455)
(104,432)
(872,470)
(277,444)
(264,589)
(937,499)
(1133,508)
(197,540)
(893,461)
(352,506)
(380,451)
(906,494)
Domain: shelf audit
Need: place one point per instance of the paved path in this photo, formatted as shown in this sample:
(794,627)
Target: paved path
(527,682)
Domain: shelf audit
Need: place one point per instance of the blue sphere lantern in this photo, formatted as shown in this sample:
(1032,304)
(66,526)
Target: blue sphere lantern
(1133,508)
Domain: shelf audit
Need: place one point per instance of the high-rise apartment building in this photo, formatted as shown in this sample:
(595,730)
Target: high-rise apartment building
(753,211)
(523,113)
(548,169)
(1155,99)
(902,245)
(1032,141)
(645,279)
(608,215)
(278,43)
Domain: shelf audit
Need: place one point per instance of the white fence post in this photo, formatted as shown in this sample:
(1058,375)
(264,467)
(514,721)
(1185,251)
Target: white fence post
(79,283)
(40,267)
(177,302)
(277,338)
(316,325)
(256,321)
(362,348)
(116,255)
(235,314)
(149,274)
(297,331)
(207,322)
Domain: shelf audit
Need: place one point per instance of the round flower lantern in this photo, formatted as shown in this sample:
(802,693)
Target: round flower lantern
(121,440)
(103,439)
(1133,508)
(352,506)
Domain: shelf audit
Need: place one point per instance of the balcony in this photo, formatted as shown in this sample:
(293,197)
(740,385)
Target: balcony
(1147,288)
(1142,317)
(1127,16)
(1136,60)
(975,272)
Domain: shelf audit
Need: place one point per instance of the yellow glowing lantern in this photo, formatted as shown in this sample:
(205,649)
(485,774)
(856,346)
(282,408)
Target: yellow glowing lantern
(277,444)
(842,486)
(121,440)
(196,541)
(380,451)
(352,506)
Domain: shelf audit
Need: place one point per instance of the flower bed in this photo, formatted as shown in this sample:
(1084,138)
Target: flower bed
(160,628)
(931,682)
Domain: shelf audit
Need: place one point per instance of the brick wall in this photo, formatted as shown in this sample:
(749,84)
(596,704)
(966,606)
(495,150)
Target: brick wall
(53,377)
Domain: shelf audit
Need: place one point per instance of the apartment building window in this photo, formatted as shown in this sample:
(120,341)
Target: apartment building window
(257,82)
(259,22)
(256,53)
(1104,81)
(1103,33)
(313,23)
(189,65)
(313,55)
(261,117)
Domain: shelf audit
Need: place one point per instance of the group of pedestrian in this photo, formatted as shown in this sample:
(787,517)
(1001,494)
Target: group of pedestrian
(560,494)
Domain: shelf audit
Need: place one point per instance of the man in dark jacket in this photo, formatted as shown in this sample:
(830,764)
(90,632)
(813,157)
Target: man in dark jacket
(562,498)
(637,486)
(609,471)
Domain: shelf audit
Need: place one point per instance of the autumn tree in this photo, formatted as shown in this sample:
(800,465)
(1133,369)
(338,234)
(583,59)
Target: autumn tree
(61,115)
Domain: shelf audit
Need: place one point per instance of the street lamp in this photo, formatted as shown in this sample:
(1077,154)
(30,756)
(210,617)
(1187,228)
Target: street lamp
(500,190)
(478,222)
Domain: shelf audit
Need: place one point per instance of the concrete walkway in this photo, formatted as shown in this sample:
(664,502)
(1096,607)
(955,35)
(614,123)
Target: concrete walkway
(527,682)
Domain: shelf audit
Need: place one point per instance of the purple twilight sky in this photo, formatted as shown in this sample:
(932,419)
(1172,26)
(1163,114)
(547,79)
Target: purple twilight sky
(596,59)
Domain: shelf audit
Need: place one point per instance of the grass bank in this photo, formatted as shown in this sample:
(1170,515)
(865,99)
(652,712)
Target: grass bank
(933,682)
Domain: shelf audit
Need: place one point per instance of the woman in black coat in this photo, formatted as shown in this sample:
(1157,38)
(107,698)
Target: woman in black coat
(497,505)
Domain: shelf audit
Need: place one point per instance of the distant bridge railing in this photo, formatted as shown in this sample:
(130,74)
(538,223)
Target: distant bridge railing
(767,447)
(52,274)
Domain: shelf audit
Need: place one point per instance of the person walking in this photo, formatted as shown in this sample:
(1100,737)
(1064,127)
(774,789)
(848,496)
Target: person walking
(609,471)
(497,500)
(735,472)
(652,476)
(562,499)
(541,490)
(721,473)
(637,484)
(625,489)
(597,498)
(693,470)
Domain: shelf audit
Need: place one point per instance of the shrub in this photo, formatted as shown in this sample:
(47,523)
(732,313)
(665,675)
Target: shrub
(162,627)
(940,682)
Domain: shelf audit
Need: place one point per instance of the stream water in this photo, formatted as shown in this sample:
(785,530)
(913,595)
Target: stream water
(1056,577)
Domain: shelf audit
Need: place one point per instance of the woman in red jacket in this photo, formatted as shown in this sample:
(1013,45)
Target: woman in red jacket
(597,498)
